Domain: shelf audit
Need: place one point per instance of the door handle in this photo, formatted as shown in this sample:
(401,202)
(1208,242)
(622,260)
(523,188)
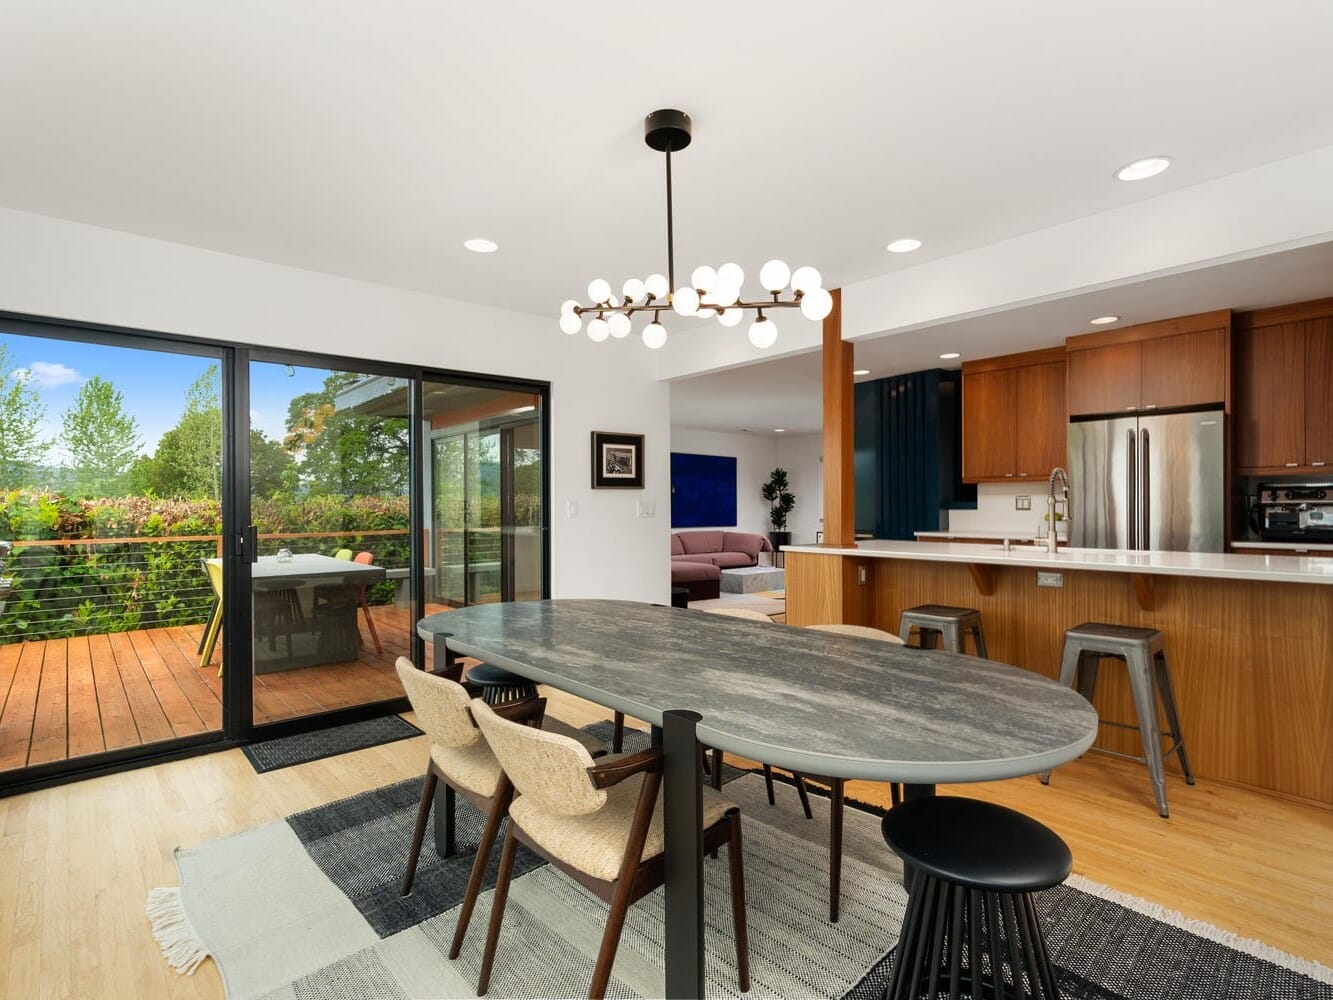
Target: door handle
(247,544)
(1131,490)
(1145,488)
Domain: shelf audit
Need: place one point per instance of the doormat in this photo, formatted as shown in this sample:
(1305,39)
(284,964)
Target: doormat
(287,751)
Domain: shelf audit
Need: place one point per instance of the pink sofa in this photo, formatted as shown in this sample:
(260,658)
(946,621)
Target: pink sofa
(699,557)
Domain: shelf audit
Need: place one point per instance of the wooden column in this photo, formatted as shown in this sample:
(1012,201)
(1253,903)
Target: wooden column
(839,432)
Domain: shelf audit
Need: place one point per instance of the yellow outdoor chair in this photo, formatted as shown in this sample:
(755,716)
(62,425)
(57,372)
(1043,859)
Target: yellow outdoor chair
(214,627)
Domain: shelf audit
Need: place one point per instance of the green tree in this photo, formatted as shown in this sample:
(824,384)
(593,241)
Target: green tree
(21,410)
(270,466)
(188,461)
(102,439)
(342,453)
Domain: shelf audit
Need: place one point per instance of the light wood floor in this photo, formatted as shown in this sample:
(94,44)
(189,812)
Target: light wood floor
(76,862)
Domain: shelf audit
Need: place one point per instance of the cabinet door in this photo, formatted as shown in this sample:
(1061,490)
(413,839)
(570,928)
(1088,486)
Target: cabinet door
(1105,380)
(1188,369)
(1040,428)
(988,425)
(1270,401)
(1319,393)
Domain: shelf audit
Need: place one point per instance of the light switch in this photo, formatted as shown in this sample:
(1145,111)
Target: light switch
(1048,579)
(572,508)
(646,509)
(1022,503)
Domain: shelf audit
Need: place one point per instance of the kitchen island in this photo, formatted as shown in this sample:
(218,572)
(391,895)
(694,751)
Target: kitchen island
(1249,637)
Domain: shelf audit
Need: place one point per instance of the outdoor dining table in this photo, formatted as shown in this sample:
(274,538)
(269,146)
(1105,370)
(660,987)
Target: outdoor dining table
(801,699)
(334,633)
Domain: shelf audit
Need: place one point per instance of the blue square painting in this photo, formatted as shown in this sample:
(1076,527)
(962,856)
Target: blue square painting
(703,490)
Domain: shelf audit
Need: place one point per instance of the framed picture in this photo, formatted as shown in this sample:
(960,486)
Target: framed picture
(617,461)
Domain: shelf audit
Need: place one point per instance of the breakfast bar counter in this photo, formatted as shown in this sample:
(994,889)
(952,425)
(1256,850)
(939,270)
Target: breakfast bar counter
(1249,637)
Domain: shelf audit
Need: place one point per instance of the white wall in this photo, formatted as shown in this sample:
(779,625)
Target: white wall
(995,510)
(56,269)
(802,455)
(756,457)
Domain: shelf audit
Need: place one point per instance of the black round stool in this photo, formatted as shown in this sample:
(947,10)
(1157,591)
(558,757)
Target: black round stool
(971,926)
(499,686)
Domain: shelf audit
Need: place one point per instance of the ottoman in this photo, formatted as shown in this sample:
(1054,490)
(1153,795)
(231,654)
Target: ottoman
(702,580)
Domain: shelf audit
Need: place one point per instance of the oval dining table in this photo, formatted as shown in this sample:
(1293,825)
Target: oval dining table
(800,699)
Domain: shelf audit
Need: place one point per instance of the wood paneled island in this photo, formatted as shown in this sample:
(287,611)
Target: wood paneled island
(1249,637)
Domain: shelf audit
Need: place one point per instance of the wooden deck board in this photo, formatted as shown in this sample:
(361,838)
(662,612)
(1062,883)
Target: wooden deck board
(50,724)
(68,698)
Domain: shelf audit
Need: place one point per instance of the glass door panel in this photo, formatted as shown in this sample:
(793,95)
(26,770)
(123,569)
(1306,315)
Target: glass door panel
(329,479)
(111,470)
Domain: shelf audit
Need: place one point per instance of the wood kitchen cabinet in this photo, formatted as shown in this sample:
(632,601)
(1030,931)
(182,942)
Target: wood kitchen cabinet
(1013,416)
(1157,366)
(1284,390)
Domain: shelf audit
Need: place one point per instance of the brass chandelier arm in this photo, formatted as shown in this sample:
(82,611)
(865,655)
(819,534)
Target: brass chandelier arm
(652,306)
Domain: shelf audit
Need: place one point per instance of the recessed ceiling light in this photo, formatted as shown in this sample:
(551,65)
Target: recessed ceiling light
(1149,166)
(779,430)
(481,245)
(950,356)
(861,371)
(904,245)
(1104,320)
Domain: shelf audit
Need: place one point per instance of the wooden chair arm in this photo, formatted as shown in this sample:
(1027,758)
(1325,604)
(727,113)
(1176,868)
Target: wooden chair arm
(529,711)
(612,772)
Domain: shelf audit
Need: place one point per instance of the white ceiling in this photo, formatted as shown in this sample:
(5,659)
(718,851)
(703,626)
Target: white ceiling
(787,393)
(370,140)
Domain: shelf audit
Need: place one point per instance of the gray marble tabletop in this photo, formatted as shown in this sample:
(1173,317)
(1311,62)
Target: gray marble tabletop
(310,566)
(801,699)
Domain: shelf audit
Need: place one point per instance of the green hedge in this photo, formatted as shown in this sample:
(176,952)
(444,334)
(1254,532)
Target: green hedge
(69,590)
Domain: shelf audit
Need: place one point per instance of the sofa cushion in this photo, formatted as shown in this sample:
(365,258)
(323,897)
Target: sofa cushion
(688,572)
(747,542)
(695,542)
(731,560)
(677,549)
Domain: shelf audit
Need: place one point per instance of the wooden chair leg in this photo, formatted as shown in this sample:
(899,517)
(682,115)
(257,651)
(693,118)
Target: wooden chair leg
(736,857)
(895,793)
(717,769)
(450,821)
(419,832)
(618,732)
(837,788)
(370,624)
(804,794)
(499,806)
(606,955)
(768,783)
(497,910)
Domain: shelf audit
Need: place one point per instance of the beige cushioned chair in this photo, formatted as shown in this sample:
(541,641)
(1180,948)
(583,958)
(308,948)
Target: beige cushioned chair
(461,758)
(601,824)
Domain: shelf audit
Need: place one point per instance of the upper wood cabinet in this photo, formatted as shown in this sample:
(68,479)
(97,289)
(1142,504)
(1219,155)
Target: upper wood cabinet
(1156,366)
(1013,416)
(1284,390)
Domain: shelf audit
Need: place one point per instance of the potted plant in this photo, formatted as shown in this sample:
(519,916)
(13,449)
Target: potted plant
(781,502)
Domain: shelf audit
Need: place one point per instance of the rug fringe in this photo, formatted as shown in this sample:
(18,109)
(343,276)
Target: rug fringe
(174,933)
(1250,946)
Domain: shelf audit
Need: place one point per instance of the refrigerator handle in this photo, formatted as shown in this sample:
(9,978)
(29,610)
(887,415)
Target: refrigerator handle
(1131,491)
(1145,491)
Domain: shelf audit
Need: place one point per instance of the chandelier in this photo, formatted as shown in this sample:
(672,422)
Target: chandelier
(712,292)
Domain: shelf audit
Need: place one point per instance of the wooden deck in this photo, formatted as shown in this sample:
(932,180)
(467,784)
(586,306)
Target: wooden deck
(65,698)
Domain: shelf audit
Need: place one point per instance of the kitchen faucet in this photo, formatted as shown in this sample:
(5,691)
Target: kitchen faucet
(1058,471)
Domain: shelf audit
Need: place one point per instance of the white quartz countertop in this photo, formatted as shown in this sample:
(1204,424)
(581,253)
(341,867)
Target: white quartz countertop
(1293,546)
(1227,566)
(931,536)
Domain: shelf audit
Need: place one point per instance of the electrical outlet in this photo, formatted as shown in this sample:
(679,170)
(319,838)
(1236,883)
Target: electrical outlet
(1046,578)
(572,508)
(861,574)
(1022,503)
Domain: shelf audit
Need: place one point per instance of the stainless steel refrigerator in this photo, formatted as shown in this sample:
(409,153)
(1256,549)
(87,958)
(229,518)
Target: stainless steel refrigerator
(1148,482)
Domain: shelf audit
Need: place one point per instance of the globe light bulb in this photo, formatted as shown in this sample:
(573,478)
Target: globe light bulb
(568,306)
(599,290)
(731,317)
(654,335)
(657,286)
(612,301)
(571,323)
(598,330)
(763,332)
(706,313)
(732,274)
(685,301)
(774,275)
(805,278)
(726,293)
(816,304)
(703,278)
(619,324)
(633,290)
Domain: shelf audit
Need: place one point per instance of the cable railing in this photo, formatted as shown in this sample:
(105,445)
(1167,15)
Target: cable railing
(61,588)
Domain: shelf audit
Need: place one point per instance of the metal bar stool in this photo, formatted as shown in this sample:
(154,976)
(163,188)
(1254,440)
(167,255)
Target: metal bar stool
(933,621)
(971,927)
(1144,655)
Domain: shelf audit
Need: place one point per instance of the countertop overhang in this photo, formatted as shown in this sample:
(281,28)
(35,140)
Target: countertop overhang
(1218,565)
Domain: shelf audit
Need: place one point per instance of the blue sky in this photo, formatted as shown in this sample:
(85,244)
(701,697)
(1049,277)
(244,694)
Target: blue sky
(153,383)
